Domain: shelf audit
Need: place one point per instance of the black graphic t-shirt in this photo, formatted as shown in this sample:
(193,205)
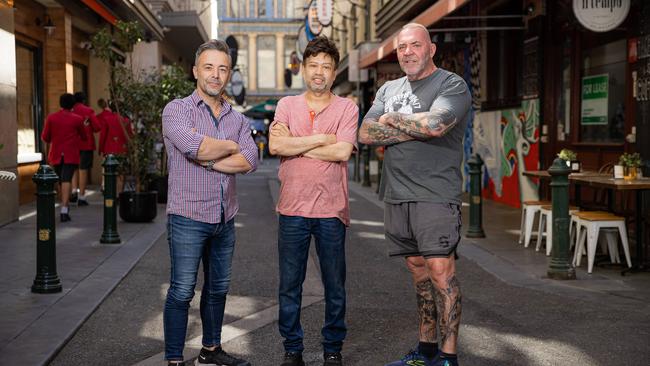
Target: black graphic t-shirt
(424,170)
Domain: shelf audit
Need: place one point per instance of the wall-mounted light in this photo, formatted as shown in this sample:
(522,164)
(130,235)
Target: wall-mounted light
(47,24)
(530,8)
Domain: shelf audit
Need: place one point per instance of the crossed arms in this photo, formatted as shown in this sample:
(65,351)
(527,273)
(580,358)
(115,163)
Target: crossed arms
(223,155)
(393,127)
(320,146)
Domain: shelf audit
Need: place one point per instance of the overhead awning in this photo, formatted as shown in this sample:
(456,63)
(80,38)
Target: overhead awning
(262,110)
(185,31)
(429,17)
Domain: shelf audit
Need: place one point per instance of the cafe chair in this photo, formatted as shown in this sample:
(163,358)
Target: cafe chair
(529,210)
(592,223)
(545,227)
(608,247)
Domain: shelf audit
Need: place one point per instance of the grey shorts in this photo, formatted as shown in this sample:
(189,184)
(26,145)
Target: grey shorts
(422,228)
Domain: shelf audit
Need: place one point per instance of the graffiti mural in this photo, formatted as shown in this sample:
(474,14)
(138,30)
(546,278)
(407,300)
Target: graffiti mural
(508,142)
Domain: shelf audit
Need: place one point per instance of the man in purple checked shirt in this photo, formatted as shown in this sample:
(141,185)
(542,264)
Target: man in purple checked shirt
(207,144)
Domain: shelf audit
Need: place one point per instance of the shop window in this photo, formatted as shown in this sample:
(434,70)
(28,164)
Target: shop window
(80,78)
(266,62)
(504,58)
(293,9)
(264,8)
(238,9)
(28,106)
(564,98)
(602,109)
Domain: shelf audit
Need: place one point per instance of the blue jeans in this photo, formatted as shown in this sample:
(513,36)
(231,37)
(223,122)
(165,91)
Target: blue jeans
(190,242)
(294,237)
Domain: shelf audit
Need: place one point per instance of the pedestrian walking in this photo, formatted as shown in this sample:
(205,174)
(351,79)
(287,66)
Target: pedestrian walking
(315,133)
(114,136)
(207,143)
(421,120)
(86,147)
(63,132)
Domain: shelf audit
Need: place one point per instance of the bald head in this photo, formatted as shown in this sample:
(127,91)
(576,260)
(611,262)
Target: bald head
(417,28)
(415,51)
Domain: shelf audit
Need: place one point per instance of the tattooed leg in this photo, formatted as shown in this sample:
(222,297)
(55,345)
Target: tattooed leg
(425,292)
(448,303)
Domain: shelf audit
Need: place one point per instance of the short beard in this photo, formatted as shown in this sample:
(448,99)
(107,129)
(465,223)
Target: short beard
(317,89)
(212,93)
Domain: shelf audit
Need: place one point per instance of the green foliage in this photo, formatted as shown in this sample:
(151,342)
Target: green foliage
(139,95)
(630,160)
(567,155)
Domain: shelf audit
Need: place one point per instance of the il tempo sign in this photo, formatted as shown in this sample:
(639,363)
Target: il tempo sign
(601,15)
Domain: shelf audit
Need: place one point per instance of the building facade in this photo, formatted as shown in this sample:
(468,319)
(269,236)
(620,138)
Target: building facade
(527,64)
(47,47)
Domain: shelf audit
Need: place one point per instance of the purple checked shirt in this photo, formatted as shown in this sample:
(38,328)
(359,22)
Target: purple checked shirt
(194,191)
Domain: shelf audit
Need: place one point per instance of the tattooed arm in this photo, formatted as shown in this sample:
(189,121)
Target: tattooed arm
(373,132)
(421,126)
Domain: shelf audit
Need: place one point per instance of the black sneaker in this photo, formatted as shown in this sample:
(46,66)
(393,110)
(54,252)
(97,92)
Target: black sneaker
(293,359)
(73,197)
(65,217)
(219,357)
(82,202)
(332,359)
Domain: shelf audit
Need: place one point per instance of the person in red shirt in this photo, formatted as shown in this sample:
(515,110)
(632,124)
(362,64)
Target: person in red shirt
(87,147)
(114,136)
(63,133)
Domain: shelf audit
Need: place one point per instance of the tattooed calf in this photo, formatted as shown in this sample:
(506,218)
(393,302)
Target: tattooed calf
(425,292)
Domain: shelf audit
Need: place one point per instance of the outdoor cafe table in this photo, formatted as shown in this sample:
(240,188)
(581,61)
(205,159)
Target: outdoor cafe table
(600,180)
(543,174)
(639,185)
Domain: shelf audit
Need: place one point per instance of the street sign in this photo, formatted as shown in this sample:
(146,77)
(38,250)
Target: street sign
(237,86)
(302,41)
(313,25)
(595,90)
(601,16)
(325,10)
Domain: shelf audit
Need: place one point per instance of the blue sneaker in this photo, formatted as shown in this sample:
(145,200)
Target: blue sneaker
(413,358)
(444,362)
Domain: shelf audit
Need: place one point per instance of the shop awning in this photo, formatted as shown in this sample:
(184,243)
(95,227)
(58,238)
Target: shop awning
(264,110)
(429,17)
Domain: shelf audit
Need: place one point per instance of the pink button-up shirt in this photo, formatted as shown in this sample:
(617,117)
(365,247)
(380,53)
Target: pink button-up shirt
(310,187)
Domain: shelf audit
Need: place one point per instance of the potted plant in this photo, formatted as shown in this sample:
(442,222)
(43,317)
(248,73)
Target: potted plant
(571,159)
(173,84)
(141,96)
(630,162)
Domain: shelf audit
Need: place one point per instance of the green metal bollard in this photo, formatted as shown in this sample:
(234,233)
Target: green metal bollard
(560,267)
(110,235)
(475,229)
(47,280)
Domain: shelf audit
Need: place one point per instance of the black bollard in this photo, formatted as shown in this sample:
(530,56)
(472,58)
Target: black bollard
(560,267)
(475,229)
(366,167)
(47,280)
(110,235)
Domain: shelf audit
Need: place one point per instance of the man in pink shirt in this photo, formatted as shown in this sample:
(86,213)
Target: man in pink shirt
(314,133)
